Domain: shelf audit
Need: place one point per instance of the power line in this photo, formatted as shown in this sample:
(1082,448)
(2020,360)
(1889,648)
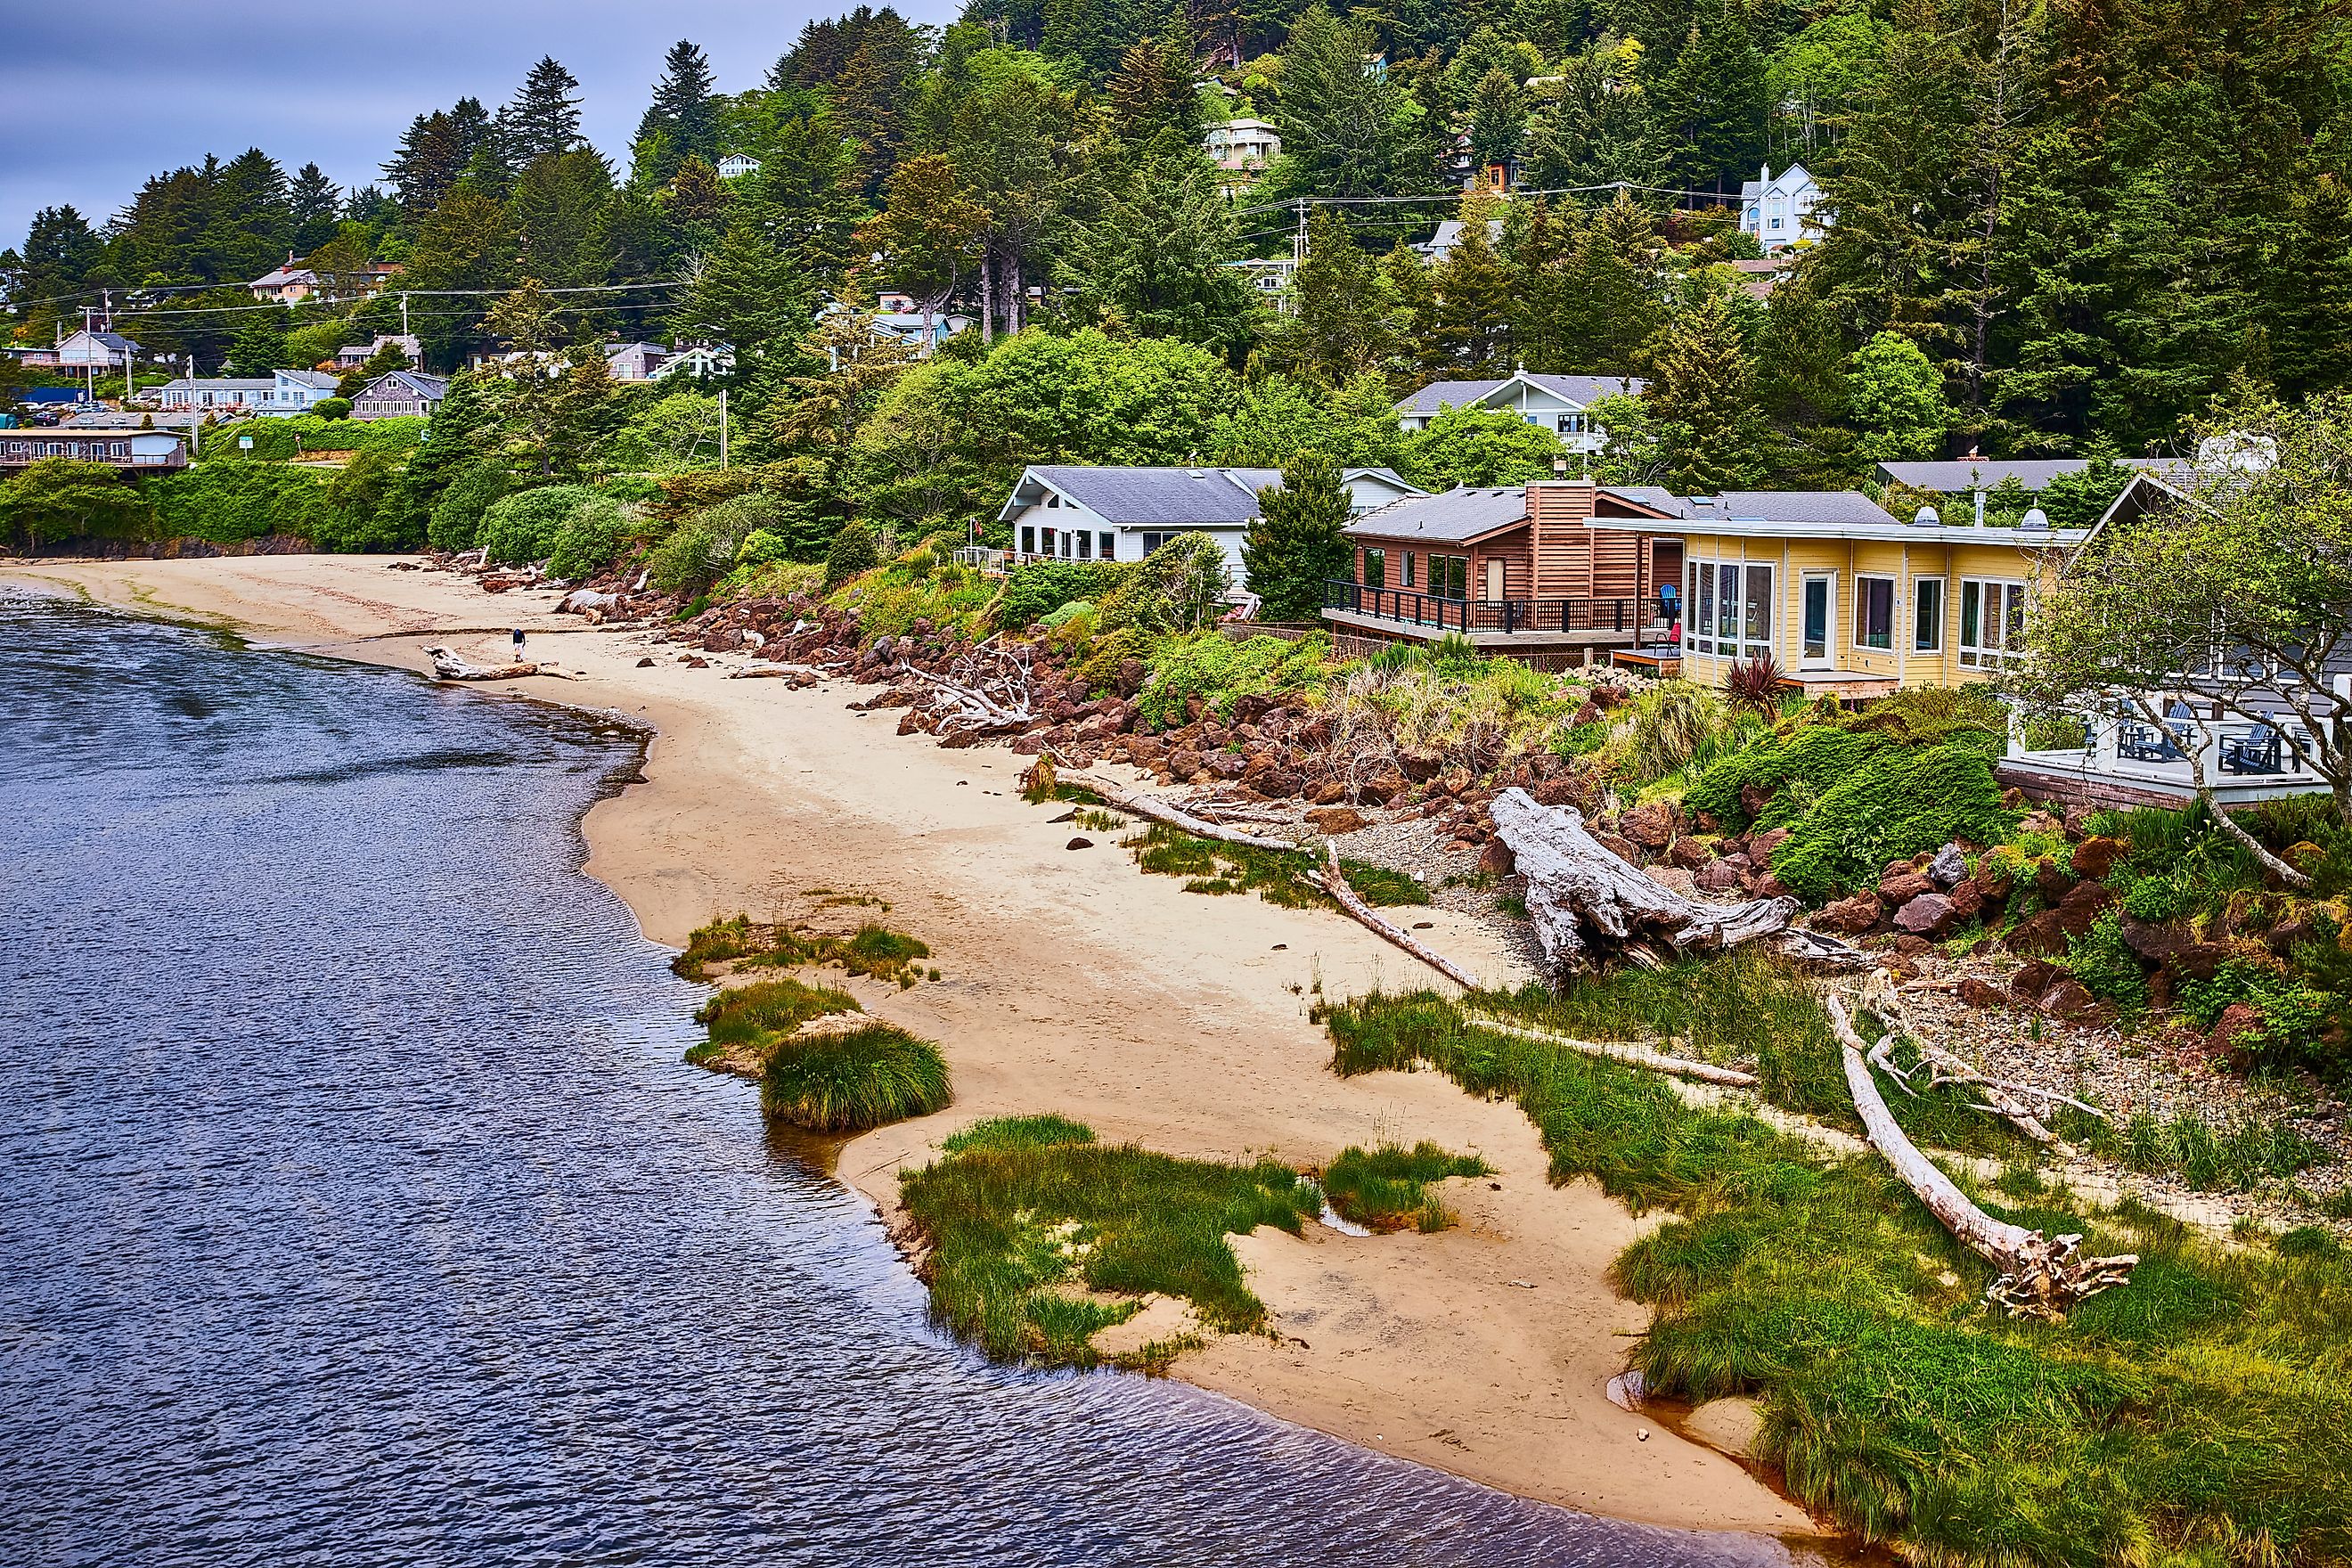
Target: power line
(1292,203)
(141,314)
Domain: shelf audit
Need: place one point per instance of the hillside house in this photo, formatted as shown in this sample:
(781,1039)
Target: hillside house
(398,392)
(352,356)
(1071,512)
(142,450)
(1782,209)
(1241,148)
(93,351)
(281,392)
(1514,568)
(1561,404)
(735,165)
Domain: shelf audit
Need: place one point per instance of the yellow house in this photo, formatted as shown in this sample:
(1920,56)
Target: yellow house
(1846,598)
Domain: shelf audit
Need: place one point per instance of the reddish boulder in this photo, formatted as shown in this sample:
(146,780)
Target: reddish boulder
(1761,845)
(1851,917)
(2227,1038)
(1925,914)
(1619,845)
(1902,888)
(1497,859)
(1753,799)
(1564,789)
(2031,980)
(2068,1000)
(2094,858)
(2081,908)
(1980,993)
(1993,880)
(1336,820)
(2051,878)
(2037,935)
(1381,788)
(1967,902)
(1690,854)
(1718,876)
(1184,763)
(1652,826)
(1227,765)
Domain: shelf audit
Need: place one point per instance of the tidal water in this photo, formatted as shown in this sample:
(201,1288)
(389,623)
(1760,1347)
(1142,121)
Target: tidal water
(356,1207)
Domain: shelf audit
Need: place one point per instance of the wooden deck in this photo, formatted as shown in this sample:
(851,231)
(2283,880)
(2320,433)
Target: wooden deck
(1842,683)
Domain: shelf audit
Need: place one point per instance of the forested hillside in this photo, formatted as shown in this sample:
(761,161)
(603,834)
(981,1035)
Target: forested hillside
(2058,228)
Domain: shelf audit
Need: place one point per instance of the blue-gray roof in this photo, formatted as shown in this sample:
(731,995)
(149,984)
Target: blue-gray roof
(1580,390)
(1987,473)
(1655,496)
(432,388)
(1455,517)
(1201,497)
(1787,506)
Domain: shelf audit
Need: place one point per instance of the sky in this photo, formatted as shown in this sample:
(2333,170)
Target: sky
(93,104)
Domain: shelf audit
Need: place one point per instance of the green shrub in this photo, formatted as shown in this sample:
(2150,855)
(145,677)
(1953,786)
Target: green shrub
(522,528)
(589,540)
(2106,966)
(1893,806)
(1668,728)
(1035,589)
(1019,1132)
(853,1080)
(226,502)
(704,546)
(458,514)
(854,551)
(1795,771)
(361,513)
(769,1006)
(332,408)
(2296,1029)
(1218,671)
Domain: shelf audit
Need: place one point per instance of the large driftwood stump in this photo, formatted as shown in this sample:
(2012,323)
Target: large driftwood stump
(2040,1276)
(1586,904)
(448,666)
(1159,810)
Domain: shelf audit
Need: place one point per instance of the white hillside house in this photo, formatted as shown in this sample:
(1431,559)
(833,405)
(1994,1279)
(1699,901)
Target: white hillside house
(1072,512)
(1779,209)
(1561,404)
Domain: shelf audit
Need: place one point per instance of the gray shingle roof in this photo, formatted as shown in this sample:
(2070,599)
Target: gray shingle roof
(1196,496)
(1455,517)
(1587,389)
(2033,473)
(1441,394)
(432,388)
(1655,497)
(1790,505)
(1581,390)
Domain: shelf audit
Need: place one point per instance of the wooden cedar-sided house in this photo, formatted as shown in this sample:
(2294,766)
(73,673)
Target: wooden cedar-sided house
(1520,568)
(1845,597)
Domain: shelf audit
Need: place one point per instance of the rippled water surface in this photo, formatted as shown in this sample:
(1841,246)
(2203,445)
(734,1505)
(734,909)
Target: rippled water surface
(356,1207)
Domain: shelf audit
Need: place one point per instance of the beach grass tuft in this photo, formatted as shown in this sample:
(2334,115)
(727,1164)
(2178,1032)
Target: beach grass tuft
(2201,1414)
(1283,877)
(1387,1188)
(849,1080)
(1037,1236)
(873,950)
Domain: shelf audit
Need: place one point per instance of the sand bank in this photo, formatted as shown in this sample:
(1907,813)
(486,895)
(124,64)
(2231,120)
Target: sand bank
(1073,983)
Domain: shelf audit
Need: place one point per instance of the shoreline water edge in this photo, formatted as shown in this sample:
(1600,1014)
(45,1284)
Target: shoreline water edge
(1071,984)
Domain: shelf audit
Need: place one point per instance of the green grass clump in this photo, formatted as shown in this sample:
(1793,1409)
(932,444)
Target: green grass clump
(1283,877)
(746,1013)
(2201,1414)
(881,952)
(1028,1221)
(873,950)
(851,1080)
(736,937)
(1220,671)
(2240,1157)
(1387,1188)
(1747,1009)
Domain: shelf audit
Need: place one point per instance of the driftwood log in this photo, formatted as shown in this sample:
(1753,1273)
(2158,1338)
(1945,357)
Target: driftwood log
(1586,904)
(448,666)
(1335,882)
(2040,1276)
(2002,1096)
(1158,810)
(1624,1051)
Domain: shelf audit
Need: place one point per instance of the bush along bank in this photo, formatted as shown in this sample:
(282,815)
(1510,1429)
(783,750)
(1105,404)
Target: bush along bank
(2196,1416)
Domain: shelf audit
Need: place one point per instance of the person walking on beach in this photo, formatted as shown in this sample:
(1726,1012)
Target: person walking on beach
(518,645)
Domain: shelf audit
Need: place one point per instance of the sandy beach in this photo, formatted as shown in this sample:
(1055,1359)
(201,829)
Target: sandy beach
(1074,984)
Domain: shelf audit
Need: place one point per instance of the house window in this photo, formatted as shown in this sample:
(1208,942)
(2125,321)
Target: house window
(1927,615)
(1106,546)
(1991,615)
(1376,562)
(1051,546)
(1727,608)
(1404,559)
(1029,540)
(1152,542)
(1873,613)
(1449,576)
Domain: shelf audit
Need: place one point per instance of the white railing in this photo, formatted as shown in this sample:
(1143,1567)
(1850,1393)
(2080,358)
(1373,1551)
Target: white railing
(2125,745)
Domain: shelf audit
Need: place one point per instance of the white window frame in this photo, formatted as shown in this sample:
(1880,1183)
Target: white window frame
(2008,594)
(1752,617)
(1862,581)
(1933,641)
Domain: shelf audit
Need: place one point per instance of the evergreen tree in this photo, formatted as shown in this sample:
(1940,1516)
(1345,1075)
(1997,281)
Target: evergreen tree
(925,236)
(1412,286)
(751,295)
(431,159)
(1702,397)
(1295,544)
(1597,128)
(1498,120)
(1611,301)
(556,208)
(316,207)
(259,346)
(1156,258)
(543,121)
(1896,400)
(466,242)
(1348,131)
(1471,326)
(1342,323)
(682,121)
(1711,104)
(1152,99)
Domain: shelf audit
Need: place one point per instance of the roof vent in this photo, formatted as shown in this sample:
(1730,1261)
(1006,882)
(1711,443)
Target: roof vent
(2035,518)
(1926,518)
(1198,473)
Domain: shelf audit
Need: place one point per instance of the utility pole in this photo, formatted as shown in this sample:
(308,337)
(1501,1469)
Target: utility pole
(403,315)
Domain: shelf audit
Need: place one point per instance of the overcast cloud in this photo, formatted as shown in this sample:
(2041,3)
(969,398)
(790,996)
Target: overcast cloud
(94,102)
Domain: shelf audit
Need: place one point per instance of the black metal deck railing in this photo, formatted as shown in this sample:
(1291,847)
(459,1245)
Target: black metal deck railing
(1440,612)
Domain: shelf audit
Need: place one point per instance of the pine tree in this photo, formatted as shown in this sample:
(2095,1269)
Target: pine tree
(1155,259)
(682,116)
(258,347)
(1498,118)
(1702,396)
(1295,544)
(557,206)
(1153,100)
(1471,328)
(927,233)
(1342,324)
(1348,131)
(751,295)
(1712,104)
(316,207)
(543,121)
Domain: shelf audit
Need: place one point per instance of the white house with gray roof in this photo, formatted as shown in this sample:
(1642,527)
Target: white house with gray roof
(1561,404)
(1082,512)
(1783,209)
